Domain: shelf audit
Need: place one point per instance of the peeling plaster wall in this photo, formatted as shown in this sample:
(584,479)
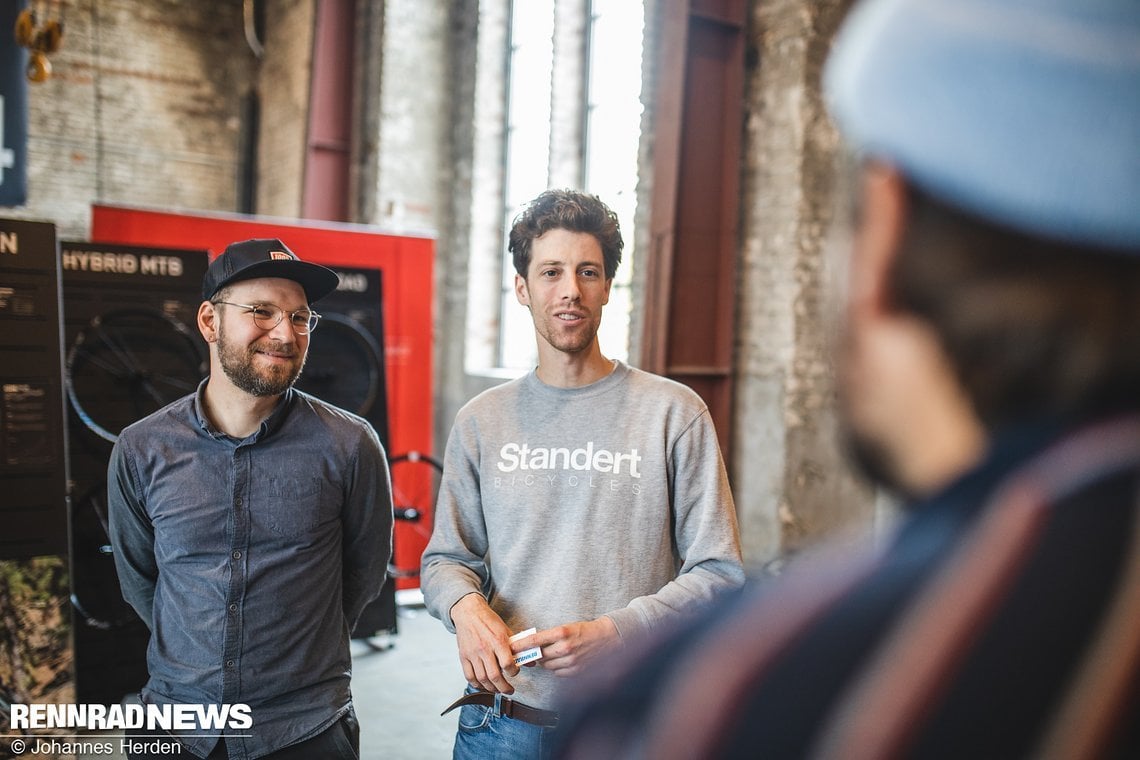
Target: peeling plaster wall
(791,480)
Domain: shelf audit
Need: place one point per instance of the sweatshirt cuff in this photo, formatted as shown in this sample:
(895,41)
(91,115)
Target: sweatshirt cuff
(449,600)
(627,621)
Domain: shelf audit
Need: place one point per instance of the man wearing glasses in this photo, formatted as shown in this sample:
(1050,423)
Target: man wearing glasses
(251,524)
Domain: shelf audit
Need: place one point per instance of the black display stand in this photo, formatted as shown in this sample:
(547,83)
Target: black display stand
(346,368)
(33,444)
(131,346)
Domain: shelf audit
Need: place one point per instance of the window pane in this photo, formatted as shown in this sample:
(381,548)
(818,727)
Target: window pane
(614,332)
(613,130)
(518,346)
(528,117)
(528,153)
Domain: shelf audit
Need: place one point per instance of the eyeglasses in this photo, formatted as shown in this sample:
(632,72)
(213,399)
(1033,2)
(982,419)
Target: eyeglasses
(267,316)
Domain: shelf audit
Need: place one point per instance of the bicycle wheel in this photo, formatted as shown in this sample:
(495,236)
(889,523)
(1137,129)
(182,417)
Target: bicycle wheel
(415,484)
(344,366)
(95,592)
(126,364)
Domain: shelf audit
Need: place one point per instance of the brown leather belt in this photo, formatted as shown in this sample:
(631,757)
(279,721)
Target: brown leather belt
(508,708)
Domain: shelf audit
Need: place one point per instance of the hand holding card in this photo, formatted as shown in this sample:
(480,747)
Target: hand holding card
(527,655)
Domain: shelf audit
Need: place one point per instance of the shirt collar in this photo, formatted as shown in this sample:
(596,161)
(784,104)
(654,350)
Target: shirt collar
(268,426)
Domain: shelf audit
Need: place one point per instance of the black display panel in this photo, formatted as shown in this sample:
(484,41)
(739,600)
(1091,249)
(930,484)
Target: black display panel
(131,346)
(33,443)
(345,367)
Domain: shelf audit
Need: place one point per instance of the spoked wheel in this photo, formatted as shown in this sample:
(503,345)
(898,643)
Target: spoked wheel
(95,592)
(126,364)
(415,484)
(344,366)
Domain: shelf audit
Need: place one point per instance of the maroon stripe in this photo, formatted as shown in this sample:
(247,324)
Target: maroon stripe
(1094,707)
(1087,456)
(883,709)
(698,702)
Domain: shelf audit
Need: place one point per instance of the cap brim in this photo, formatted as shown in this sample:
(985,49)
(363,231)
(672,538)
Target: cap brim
(318,281)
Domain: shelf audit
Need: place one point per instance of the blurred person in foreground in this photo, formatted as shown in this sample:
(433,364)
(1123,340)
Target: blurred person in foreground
(586,499)
(990,375)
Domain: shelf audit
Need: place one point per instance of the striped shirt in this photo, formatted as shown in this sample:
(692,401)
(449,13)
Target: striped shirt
(1003,621)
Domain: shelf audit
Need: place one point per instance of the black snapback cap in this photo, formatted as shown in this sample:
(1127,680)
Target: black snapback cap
(267,257)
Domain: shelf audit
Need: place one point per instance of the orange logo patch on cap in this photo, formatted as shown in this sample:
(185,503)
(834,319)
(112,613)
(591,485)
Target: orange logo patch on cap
(279,255)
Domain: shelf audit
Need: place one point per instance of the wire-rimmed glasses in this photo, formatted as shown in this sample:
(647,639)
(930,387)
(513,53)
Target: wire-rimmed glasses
(267,316)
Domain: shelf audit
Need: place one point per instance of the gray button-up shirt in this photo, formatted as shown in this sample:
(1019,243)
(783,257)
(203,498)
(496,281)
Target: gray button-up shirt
(250,560)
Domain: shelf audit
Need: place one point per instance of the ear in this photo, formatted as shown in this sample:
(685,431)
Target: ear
(208,321)
(521,292)
(882,223)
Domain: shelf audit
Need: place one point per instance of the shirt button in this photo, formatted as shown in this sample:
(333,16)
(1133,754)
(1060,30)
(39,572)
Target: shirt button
(236,554)
(233,608)
(237,502)
(229,663)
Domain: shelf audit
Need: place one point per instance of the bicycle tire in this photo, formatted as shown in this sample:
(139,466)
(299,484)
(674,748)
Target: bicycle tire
(95,592)
(415,485)
(128,363)
(344,366)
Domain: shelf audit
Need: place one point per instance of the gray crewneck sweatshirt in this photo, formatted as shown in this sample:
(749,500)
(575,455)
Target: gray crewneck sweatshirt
(566,504)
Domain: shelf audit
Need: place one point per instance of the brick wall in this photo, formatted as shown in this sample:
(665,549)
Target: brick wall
(141,109)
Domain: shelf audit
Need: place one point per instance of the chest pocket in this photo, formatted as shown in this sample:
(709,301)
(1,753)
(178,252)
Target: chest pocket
(297,505)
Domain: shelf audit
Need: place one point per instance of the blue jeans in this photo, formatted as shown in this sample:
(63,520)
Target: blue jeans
(483,734)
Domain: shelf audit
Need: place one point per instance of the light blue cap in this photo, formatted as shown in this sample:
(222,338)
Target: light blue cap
(1023,112)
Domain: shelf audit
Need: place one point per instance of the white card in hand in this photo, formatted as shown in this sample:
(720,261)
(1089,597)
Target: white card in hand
(527,655)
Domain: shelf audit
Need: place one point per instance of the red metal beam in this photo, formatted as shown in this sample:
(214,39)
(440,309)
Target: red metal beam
(328,151)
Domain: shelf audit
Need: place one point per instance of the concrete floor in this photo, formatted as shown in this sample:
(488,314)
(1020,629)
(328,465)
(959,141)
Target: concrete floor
(399,691)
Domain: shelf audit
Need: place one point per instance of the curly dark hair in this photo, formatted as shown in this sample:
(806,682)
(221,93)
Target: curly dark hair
(566,210)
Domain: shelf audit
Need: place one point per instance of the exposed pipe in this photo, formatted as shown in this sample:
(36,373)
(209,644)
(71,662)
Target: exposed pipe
(251,28)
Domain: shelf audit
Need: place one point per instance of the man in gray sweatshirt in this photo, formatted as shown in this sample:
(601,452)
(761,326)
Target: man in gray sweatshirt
(586,500)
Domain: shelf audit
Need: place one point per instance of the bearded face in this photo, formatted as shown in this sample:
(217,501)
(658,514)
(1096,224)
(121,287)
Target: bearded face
(265,367)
